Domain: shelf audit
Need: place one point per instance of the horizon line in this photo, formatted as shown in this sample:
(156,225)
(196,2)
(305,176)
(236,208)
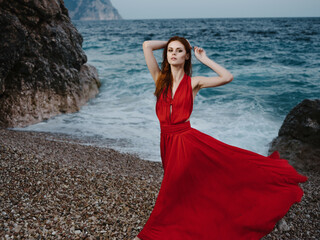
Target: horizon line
(123,19)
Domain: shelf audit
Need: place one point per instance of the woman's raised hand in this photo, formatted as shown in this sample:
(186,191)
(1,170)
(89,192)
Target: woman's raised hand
(200,53)
(148,47)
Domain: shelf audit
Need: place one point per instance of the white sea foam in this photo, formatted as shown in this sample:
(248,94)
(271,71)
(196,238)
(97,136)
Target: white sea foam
(246,113)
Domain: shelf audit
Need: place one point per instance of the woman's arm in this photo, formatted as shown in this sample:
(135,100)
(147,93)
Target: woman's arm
(148,47)
(205,82)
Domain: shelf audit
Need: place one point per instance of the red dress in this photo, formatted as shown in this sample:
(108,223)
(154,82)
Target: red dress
(211,190)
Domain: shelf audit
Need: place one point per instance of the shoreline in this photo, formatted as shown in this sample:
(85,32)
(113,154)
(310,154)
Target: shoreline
(93,141)
(56,187)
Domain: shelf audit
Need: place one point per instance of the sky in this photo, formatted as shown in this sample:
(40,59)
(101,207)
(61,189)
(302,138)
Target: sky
(150,9)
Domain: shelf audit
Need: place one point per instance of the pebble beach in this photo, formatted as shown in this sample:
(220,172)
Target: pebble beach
(57,186)
(53,186)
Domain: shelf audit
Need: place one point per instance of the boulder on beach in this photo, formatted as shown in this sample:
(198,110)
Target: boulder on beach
(43,70)
(299,136)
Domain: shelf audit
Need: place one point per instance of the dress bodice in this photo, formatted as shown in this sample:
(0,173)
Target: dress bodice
(181,104)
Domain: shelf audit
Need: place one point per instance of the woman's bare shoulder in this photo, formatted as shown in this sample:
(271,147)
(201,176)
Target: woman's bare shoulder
(195,82)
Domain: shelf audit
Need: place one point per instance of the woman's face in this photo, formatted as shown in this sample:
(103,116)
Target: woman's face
(176,53)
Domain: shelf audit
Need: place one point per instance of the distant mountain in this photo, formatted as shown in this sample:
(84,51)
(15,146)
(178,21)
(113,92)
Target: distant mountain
(91,10)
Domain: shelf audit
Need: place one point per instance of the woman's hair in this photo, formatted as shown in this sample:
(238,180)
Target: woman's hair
(164,81)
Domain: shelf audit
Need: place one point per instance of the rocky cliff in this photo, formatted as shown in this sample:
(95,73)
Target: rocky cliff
(91,10)
(42,64)
(299,136)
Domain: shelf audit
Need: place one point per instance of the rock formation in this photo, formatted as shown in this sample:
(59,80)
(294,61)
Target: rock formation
(91,10)
(299,136)
(42,64)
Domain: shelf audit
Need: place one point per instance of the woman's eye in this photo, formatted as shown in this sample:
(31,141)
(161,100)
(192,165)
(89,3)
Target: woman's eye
(170,50)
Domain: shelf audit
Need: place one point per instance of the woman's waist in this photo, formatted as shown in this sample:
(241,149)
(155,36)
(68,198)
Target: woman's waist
(175,128)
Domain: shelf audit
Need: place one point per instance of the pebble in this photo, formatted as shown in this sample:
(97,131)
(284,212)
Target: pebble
(283,226)
(17,228)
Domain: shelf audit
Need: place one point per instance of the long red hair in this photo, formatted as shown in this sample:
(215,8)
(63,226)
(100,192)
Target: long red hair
(164,81)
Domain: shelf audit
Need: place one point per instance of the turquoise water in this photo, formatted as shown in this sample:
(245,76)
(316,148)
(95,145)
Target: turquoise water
(275,63)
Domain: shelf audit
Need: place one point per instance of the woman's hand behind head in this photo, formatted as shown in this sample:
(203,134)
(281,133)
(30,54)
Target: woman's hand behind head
(200,53)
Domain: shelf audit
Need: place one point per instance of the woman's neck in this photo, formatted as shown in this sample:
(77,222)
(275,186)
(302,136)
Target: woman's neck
(177,73)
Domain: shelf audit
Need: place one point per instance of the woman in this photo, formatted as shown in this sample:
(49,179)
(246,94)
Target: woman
(210,190)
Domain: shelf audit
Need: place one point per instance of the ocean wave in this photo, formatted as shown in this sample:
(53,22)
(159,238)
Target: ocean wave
(275,63)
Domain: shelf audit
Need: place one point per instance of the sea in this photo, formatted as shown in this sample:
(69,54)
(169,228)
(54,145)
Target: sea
(275,63)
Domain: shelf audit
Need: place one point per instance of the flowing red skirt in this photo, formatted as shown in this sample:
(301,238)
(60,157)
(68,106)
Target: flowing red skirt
(215,191)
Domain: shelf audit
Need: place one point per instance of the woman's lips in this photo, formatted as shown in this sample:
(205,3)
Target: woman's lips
(173,58)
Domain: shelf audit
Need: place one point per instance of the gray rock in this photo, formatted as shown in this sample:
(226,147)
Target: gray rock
(42,64)
(17,228)
(299,136)
(303,122)
(283,226)
(92,10)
